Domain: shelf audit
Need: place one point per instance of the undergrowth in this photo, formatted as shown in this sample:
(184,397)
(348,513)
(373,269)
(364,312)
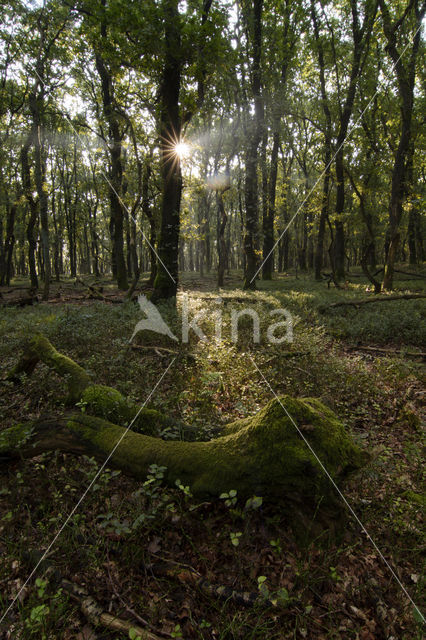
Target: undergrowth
(125,534)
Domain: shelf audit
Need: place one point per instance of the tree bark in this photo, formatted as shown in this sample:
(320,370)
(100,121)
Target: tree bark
(35,102)
(319,251)
(406,78)
(221,243)
(9,243)
(115,181)
(33,208)
(255,136)
(166,280)
(269,214)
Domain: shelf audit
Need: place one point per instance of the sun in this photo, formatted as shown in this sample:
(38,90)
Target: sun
(182,150)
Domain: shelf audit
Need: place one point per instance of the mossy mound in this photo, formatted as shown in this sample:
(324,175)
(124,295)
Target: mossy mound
(268,455)
(109,404)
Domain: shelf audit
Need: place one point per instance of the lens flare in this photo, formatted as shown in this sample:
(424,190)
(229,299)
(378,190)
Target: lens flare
(182,150)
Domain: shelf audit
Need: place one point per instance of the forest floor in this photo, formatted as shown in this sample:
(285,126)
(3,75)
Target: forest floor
(366,363)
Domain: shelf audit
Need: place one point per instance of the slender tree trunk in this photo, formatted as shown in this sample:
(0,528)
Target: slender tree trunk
(269,215)
(9,244)
(33,209)
(361,36)
(40,178)
(149,215)
(55,229)
(116,165)
(251,184)
(319,252)
(405,74)
(221,244)
(368,254)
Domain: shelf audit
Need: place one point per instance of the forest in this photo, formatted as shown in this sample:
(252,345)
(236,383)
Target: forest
(212,319)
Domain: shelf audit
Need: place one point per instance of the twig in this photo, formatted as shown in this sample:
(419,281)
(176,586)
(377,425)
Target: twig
(96,616)
(132,611)
(139,347)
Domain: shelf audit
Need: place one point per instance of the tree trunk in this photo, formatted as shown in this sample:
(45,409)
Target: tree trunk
(9,243)
(406,79)
(40,178)
(361,36)
(33,207)
(166,280)
(319,252)
(269,215)
(221,244)
(255,136)
(115,180)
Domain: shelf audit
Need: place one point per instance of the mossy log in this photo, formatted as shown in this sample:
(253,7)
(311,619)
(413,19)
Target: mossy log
(263,455)
(39,349)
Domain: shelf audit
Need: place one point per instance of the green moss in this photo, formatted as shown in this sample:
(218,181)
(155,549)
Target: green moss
(417,498)
(108,403)
(262,455)
(15,437)
(39,348)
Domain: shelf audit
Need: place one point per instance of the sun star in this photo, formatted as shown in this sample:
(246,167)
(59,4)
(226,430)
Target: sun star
(181,149)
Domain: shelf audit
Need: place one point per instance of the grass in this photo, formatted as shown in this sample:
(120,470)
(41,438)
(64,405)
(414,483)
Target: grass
(339,587)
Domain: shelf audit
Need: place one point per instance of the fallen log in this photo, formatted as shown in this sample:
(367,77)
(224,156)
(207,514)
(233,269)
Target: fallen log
(97,294)
(396,352)
(405,273)
(358,303)
(21,302)
(261,455)
(410,273)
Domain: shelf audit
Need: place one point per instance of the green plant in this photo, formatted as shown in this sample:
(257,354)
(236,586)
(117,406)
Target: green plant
(41,587)
(185,489)
(155,500)
(230,498)
(334,575)
(235,538)
(276,546)
(37,618)
(44,614)
(112,524)
(254,503)
(261,585)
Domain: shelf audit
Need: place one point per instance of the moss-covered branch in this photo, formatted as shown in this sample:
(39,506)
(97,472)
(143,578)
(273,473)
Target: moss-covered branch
(39,349)
(261,455)
(98,400)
